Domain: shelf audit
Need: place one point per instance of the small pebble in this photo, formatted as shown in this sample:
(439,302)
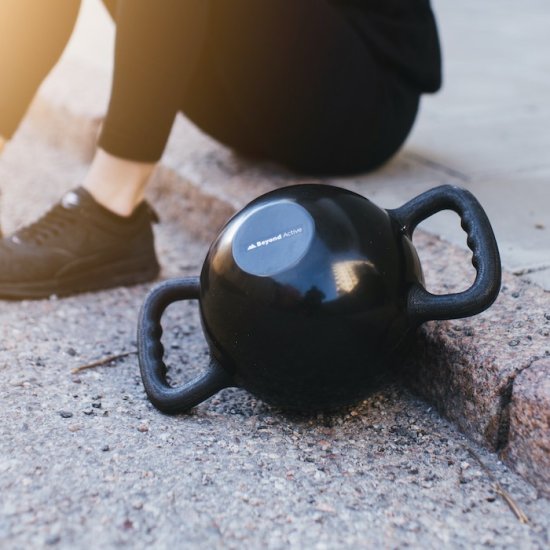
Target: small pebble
(513,343)
(143,428)
(105,448)
(53,539)
(65,414)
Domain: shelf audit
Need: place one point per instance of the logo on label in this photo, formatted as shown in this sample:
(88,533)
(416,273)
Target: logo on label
(272,238)
(279,237)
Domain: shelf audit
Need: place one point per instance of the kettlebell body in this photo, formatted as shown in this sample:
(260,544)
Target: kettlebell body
(303,296)
(309,297)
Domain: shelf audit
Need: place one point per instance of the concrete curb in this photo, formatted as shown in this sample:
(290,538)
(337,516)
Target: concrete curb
(528,449)
(484,373)
(469,368)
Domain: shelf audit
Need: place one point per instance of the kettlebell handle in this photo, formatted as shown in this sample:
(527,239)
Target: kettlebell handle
(151,351)
(421,304)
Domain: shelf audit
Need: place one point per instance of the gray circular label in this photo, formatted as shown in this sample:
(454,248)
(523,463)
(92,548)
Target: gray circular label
(273,238)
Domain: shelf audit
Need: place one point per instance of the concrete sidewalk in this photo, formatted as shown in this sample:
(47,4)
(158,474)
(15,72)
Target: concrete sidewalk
(236,472)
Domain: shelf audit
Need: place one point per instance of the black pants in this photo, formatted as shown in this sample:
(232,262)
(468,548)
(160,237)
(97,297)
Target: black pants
(289,80)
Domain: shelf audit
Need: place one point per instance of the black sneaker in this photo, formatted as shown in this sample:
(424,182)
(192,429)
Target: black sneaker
(78,246)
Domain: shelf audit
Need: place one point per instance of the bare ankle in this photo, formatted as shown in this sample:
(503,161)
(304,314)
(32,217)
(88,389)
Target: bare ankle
(117,184)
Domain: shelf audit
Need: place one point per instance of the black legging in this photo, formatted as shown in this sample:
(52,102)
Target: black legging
(294,81)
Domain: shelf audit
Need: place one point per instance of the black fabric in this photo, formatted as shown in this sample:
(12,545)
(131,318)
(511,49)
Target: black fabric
(303,83)
(402,34)
(156,52)
(319,85)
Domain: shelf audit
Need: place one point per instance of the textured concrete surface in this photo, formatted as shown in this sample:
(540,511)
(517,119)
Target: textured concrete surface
(528,447)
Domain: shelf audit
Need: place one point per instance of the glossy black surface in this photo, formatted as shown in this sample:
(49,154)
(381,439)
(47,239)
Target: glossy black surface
(322,331)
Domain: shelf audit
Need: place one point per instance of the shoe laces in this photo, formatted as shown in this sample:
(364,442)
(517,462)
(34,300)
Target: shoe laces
(51,224)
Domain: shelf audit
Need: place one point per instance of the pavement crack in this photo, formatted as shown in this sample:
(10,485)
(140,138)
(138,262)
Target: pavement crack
(503,428)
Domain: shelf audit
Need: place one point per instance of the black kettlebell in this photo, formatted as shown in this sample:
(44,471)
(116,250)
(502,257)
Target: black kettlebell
(310,294)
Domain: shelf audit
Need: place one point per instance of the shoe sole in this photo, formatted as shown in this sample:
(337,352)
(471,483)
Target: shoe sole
(123,273)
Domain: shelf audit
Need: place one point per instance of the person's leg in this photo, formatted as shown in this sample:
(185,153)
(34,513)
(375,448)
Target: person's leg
(32,37)
(100,234)
(156,51)
(294,81)
(116,183)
